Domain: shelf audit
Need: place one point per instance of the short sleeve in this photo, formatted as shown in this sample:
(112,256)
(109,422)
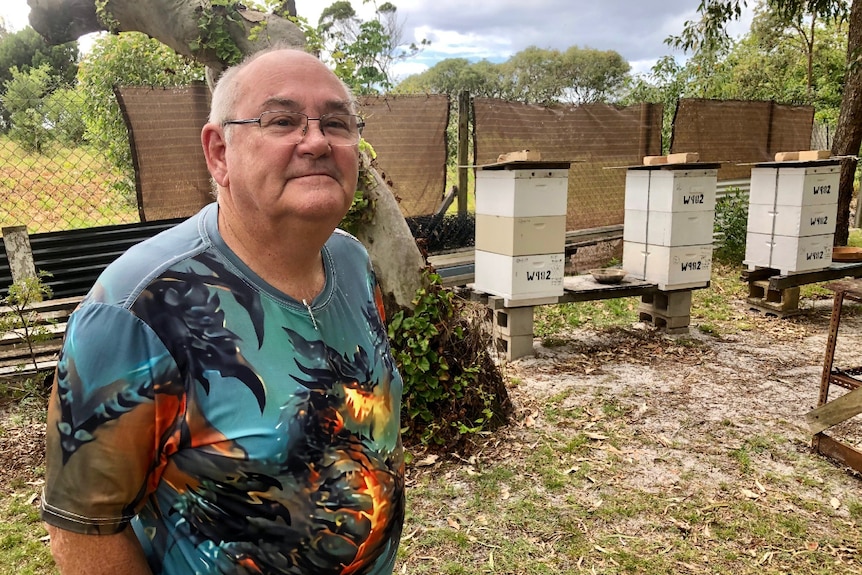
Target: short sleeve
(115,400)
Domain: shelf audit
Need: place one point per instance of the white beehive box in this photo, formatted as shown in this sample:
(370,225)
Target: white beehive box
(812,220)
(663,190)
(795,186)
(668,228)
(671,268)
(788,253)
(520,277)
(517,193)
(521,236)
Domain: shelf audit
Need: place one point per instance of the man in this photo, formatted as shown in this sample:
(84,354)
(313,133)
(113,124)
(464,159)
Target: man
(226,400)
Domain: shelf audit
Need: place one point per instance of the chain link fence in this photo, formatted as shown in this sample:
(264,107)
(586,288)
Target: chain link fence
(51,177)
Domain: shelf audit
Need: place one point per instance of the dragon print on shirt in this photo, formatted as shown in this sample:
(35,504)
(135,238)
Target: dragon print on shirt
(260,441)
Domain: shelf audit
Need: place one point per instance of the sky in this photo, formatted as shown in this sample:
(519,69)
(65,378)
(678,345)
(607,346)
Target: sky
(496,30)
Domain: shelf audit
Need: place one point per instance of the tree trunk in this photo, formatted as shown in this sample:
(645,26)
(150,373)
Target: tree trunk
(848,132)
(172,22)
(398,263)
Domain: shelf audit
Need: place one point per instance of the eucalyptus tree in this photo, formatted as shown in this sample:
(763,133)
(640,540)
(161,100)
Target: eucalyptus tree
(592,75)
(711,30)
(364,51)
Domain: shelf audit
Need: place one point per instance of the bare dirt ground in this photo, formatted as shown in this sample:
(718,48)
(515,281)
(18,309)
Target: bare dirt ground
(698,392)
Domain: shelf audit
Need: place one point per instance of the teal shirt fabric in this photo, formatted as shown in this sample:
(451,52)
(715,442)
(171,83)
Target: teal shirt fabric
(237,429)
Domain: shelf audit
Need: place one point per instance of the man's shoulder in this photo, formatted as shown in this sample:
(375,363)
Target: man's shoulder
(137,266)
(344,243)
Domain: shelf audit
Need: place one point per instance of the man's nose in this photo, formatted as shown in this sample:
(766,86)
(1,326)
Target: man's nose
(314,135)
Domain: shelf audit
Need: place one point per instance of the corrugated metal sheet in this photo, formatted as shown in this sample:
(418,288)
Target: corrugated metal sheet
(75,258)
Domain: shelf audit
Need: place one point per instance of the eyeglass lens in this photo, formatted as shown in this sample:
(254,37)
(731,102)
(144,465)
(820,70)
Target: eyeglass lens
(339,129)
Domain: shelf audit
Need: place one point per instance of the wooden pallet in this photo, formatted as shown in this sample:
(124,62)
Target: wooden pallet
(15,355)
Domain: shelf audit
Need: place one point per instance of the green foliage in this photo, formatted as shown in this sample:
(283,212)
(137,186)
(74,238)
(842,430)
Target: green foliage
(454,75)
(665,84)
(25,50)
(24,97)
(771,62)
(39,112)
(534,75)
(593,75)
(105,17)
(452,389)
(792,62)
(214,30)
(794,52)
(127,59)
(710,32)
(21,321)
(553,323)
(731,223)
(64,112)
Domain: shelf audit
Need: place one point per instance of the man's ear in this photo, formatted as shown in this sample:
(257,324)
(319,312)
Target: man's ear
(215,148)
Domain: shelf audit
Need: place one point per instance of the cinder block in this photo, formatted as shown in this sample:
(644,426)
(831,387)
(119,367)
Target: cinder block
(514,346)
(671,324)
(781,303)
(514,321)
(675,303)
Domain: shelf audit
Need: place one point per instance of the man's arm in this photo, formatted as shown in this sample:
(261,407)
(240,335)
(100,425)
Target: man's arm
(77,554)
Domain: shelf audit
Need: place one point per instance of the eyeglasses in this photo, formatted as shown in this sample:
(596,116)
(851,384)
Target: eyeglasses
(338,129)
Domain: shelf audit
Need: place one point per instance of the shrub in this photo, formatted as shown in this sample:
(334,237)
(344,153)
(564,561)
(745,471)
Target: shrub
(731,224)
(452,388)
(21,321)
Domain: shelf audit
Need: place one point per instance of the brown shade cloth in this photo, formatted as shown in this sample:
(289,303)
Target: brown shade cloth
(593,136)
(736,131)
(408,133)
(164,130)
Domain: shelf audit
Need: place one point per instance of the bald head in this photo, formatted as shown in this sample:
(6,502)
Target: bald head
(232,85)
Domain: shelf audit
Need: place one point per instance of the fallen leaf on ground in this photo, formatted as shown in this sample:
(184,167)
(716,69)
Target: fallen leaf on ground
(427,461)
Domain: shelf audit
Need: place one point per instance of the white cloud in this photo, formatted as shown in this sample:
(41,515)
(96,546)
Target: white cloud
(453,44)
(403,69)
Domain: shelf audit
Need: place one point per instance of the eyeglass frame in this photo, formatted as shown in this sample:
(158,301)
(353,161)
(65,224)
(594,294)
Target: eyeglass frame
(360,123)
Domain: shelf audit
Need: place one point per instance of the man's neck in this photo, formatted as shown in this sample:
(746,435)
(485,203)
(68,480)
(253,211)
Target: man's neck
(288,257)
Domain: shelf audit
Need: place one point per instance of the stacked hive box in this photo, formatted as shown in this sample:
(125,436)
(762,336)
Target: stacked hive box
(520,243)
(791,215)
(521,229)
(667,232)
(667,236)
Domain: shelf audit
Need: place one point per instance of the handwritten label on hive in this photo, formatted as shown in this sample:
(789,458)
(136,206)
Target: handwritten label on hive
(820,221)
(821,255)
(822,190)
(693,199)
(691,266)
(539,275)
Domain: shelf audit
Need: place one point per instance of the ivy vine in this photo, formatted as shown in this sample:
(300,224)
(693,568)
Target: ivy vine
(214,31)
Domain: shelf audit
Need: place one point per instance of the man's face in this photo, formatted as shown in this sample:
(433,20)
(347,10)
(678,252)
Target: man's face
(269,177)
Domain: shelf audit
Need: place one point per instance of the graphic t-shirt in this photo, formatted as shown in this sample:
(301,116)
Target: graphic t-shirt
(239,430)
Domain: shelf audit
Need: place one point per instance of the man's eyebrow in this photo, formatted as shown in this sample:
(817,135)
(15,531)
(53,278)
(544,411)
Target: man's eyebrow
(281,103)
(328,107)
